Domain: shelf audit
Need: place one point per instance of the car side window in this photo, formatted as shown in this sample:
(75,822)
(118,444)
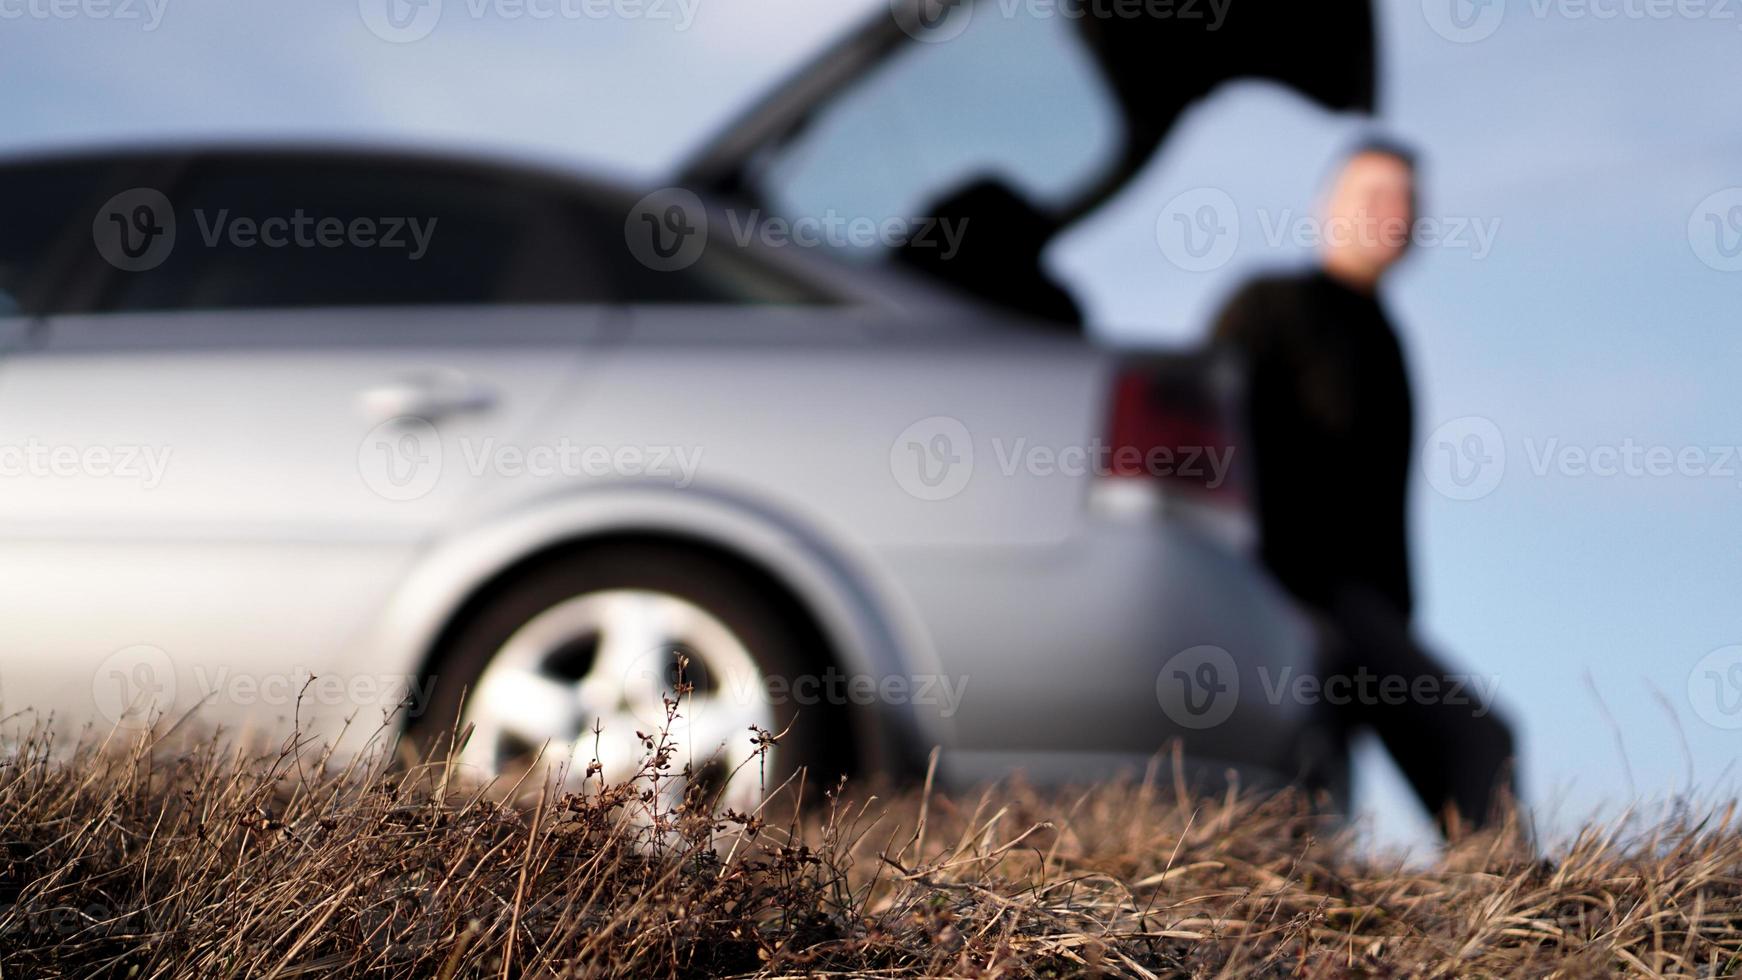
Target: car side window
(275,233)
(45,226)
(722,273)
(285,231)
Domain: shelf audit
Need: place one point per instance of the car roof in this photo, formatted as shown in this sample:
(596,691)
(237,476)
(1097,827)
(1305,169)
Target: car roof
(468,159)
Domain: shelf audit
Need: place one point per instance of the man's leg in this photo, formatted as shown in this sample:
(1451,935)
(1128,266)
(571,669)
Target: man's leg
(1457,753)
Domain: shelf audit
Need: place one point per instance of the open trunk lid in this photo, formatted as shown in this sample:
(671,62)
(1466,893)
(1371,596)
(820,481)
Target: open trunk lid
(1156,66)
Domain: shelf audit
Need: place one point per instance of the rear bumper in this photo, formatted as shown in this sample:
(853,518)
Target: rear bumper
(1087,657)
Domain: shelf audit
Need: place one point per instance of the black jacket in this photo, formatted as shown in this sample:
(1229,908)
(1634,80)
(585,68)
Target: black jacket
(1330,429)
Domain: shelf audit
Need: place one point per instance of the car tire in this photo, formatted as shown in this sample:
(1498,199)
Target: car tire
(490,670)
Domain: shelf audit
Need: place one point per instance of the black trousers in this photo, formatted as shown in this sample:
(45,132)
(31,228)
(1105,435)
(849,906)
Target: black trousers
(1437,724)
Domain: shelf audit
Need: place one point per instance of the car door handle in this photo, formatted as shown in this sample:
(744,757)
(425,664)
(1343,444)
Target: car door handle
(428,398)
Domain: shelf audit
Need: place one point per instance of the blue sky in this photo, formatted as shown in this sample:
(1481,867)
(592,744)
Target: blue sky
(1588,143)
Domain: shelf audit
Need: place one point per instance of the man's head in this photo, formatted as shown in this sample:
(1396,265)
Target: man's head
(1370,213)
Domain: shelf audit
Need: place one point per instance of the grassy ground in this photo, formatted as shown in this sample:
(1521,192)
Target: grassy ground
(138,860)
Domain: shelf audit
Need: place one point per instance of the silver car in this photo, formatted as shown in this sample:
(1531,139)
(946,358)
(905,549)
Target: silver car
(302,435)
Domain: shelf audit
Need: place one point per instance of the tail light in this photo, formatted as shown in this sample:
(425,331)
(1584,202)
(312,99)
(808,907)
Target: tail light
(1173,434)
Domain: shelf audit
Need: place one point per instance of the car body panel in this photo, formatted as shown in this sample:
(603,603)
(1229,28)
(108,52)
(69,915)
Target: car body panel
(281,541)
(276,493)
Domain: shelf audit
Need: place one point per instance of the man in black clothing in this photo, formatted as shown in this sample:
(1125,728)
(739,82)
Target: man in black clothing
(1329,417)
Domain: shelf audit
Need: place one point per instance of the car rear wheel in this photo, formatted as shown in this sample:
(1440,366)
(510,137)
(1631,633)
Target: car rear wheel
(583,660)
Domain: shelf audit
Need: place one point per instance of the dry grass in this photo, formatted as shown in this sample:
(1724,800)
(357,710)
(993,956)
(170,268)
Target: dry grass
(142,860)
